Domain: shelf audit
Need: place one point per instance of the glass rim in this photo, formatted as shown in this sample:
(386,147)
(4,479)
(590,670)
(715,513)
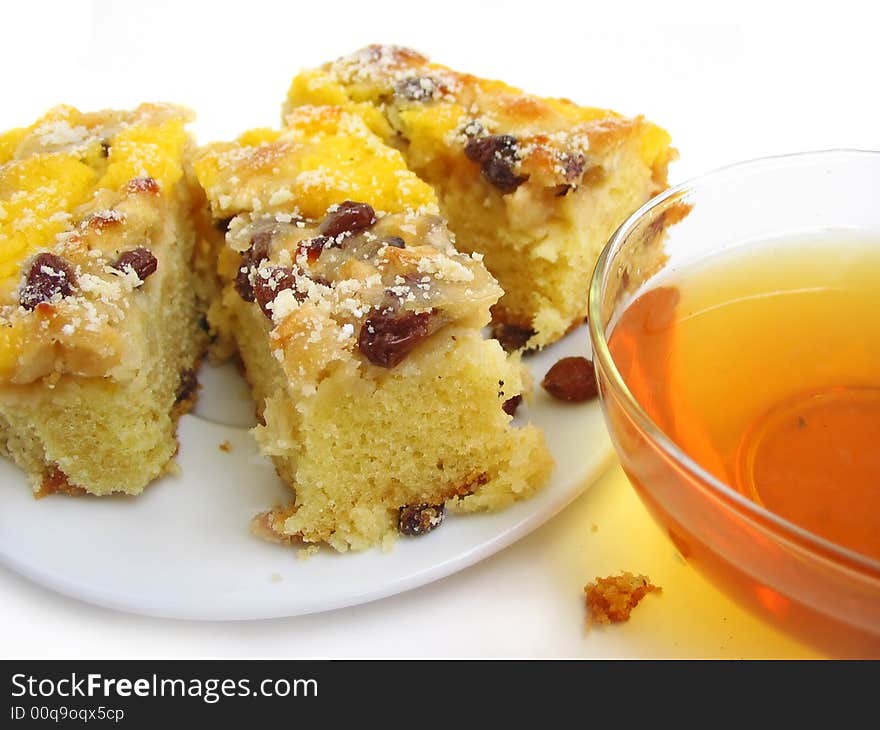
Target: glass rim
(745,507)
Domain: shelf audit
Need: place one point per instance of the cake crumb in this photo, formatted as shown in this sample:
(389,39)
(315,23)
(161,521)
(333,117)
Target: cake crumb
(307,552)
(276,578)
(172,468)
(612,599)
(225,446)
(594,528)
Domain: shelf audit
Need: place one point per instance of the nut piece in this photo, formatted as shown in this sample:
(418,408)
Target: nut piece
(49,275)
(386,338)
(571,379)
(140,260)
(349,217)
(417,519)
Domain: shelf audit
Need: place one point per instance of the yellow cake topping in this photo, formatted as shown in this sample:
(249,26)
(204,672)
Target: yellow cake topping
(102,293)
(147,151)
(537,185)
(325,157)
(37,196)
(289,199)
(9,346)
(389,86)
(82,187)
(9,142)
(54,166)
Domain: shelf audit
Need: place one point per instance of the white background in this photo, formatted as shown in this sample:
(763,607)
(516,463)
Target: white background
(768,84)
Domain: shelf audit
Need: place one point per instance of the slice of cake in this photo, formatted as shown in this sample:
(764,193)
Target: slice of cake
(99,323)
(359,325)
(537,185)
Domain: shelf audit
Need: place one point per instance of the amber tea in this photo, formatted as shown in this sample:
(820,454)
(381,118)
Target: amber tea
(763,365)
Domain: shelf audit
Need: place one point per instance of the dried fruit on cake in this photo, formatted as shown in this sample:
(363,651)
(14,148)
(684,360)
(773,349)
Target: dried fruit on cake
(359,324)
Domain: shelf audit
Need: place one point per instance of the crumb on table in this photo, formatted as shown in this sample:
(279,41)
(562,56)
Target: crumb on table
(226,446)
(612,599)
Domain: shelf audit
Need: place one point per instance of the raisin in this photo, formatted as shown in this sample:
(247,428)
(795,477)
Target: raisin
(140,260)
(395,241)
(49,275)
(571,379)
(242,281)
(511,404)
(499,172)
(497,157)
(269,282)
(250,260)
(512,337)
(260,244)
(573,166)
(386,338)
(416,88)
(349,217)
(418,519)
(188,385)
(479,149)
(313,247)
(142,185)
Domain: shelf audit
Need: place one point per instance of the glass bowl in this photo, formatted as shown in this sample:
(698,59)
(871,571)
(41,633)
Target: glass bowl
(811,588)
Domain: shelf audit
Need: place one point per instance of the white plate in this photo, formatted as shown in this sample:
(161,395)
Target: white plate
(183,549)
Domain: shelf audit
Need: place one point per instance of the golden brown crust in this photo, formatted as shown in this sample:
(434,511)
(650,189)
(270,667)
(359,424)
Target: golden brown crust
(55,482)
